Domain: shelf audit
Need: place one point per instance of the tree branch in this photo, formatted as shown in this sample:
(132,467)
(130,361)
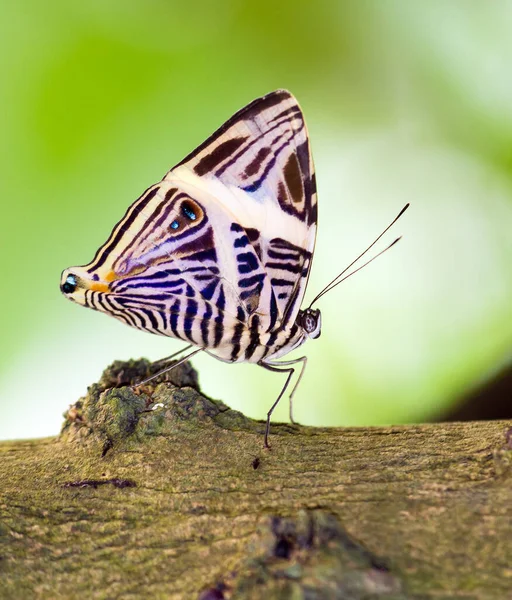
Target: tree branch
(156,491)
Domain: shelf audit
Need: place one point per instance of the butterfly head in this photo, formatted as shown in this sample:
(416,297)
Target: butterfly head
(311,322)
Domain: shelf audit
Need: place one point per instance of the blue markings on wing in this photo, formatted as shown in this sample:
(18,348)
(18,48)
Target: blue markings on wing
(188,211)
(209,290)
(188,321)
(247,262)
(247,282)
(241,242)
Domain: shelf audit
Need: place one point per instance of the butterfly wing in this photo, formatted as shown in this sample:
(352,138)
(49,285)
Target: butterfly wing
(259,166)
(222,246)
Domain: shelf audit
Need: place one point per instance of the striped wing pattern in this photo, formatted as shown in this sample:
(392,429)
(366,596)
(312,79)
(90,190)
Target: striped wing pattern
(218,253)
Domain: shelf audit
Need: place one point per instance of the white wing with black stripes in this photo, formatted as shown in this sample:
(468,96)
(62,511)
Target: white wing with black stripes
(219,252)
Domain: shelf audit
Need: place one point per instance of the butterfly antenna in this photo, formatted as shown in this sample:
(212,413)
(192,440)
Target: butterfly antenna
(339,278)
(328,289)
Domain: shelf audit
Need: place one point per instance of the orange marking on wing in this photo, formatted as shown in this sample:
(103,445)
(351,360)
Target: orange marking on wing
(100,287)
(110,276)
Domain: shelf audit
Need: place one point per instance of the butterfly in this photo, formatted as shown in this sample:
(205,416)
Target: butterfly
(218,254)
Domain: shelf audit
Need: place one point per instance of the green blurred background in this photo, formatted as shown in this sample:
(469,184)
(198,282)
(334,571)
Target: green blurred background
(405,101)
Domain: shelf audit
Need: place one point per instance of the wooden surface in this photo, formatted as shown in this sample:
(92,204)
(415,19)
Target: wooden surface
(170,503)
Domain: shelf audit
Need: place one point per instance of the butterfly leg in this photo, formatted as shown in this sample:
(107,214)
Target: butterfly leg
(168,358)
(167,369)
(277,367)
(304,361)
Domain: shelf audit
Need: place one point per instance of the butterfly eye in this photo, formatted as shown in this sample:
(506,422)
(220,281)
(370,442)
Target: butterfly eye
(188,210)
(69,286)
(312,322)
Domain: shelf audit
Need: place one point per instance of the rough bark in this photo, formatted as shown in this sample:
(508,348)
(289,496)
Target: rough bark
(158,492)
